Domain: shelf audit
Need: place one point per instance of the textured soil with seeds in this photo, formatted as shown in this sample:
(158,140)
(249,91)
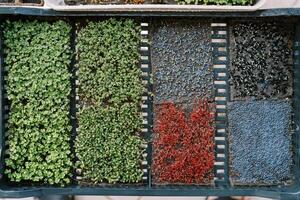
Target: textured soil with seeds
(260,142)
(181,59)
(183,144)
(261,55)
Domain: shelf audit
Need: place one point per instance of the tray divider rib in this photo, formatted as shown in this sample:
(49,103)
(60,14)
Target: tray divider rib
(146,106)
(220,45)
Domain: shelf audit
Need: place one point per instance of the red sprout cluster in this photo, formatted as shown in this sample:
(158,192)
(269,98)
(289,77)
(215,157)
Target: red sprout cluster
(183,146)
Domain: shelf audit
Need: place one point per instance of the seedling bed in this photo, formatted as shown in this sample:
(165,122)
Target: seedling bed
(261,109)
(118,103)
(80,102)
(264,71)
(183,83)
(183,103)
(260,142)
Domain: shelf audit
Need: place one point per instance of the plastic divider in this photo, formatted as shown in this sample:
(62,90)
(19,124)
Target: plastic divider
(220,45)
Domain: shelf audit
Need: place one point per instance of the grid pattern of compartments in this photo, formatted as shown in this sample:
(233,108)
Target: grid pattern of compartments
(220,64)
(146,105)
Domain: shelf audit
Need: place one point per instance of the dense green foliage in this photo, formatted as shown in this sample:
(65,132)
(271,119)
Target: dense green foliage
(37,56)
(218,2)
(107,146)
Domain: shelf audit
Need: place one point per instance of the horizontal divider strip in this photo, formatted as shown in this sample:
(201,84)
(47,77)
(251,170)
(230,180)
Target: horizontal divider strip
(220,67)
(219,163)
(220,24)
(219,170)
(219,40)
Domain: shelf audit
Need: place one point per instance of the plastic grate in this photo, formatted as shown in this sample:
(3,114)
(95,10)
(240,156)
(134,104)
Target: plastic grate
(220,43)
(146,105)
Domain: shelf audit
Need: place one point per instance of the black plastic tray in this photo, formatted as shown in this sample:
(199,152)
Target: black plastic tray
(221,187)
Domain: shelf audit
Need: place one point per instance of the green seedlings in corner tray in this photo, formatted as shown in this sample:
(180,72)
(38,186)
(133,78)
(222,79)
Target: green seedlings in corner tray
(37,56)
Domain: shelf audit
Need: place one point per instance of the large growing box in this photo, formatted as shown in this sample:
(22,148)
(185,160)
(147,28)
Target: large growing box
(149,106)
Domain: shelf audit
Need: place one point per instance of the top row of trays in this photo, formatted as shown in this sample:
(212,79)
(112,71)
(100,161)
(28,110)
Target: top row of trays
(200,2)
(107,2)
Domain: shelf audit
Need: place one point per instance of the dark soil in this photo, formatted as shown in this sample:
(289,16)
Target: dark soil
(261,55)
(260,142)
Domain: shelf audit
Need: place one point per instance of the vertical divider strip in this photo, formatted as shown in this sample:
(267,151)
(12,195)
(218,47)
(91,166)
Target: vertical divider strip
(2,105)
(146,98)
(220,44)
(78,175)
(73,99)
(296,101)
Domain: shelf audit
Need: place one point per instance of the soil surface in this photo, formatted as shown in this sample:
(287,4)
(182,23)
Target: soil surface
(183,145)
(260,142)
(182,61)
(261,60)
